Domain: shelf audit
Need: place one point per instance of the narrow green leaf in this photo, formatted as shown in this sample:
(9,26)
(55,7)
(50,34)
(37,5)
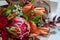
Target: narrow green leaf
(25,17)
(32,1)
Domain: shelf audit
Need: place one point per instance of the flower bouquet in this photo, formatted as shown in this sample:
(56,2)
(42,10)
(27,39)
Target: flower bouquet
(22,20)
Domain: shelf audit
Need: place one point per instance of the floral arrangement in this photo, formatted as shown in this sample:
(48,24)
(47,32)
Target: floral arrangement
(20,22)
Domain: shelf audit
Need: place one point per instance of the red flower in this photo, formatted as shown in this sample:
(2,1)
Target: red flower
(5,35)
(3,22)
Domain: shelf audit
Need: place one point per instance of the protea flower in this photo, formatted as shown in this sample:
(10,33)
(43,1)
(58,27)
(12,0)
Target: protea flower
(20,28)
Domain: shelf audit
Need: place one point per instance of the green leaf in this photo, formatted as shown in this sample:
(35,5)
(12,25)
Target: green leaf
(20,4)
(32,1)
(25,16)
(11,7)
(8,11)
(36,19)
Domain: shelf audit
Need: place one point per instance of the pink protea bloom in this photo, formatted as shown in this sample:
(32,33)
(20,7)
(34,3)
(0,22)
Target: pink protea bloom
(23,27)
